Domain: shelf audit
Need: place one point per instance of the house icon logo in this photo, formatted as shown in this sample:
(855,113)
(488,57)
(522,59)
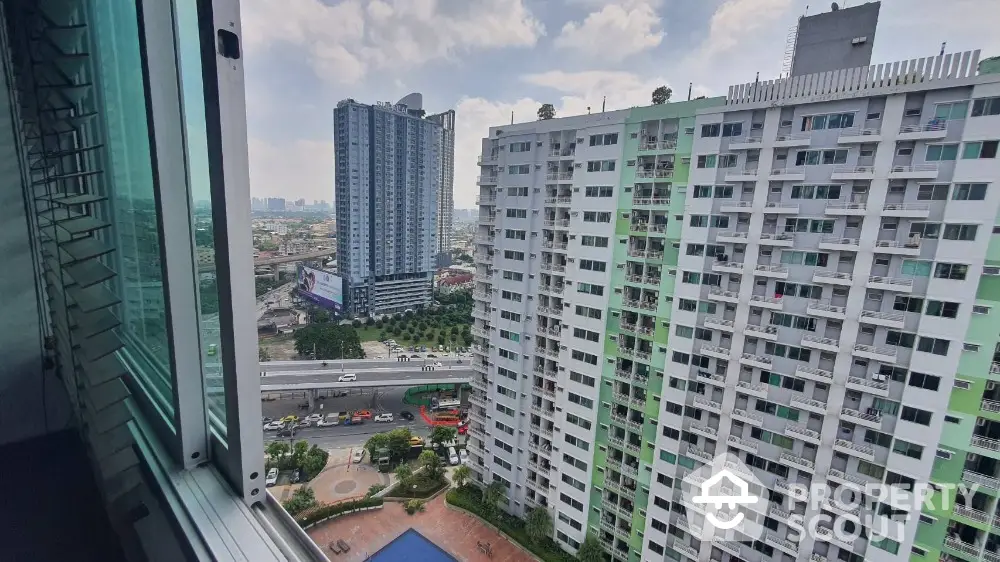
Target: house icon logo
(719,502)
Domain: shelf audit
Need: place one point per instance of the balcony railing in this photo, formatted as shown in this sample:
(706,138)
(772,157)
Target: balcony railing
(926,127)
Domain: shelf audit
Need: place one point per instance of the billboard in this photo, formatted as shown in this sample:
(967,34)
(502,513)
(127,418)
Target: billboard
(321,287)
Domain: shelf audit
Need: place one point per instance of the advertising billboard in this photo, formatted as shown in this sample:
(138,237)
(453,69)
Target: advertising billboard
(321,287)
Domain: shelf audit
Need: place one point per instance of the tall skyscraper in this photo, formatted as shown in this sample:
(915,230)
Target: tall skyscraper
(446,195)
(800,274)
(387,183)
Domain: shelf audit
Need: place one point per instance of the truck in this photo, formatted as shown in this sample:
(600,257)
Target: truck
(384,459)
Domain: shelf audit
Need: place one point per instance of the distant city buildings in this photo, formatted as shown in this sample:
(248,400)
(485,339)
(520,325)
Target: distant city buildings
(275,204)
(279,205)
(446,192)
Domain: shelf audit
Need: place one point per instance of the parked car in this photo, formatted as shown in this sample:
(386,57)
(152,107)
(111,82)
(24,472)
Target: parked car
(463,429)
(358,455)
(273,426)
(452,456)
(297,474)
(314,417)
(349,377)
(289,419)
(272,477)
(329,421)
(386,417)
(423,349)
(364,414)
(431,356)
(415,441)
(406,415)
(438,364)
(287,432)
(267,419)
(463,456)
(304,423)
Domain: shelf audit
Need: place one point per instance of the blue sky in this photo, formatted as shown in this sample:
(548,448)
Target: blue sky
(486,58)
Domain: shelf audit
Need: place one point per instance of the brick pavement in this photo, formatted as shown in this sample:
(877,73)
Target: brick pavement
(452,530)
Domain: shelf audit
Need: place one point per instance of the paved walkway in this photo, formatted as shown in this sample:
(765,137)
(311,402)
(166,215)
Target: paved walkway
(454,531)
(341,479)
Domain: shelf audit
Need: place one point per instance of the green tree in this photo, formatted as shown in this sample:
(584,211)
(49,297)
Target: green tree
(399,442)
(379,324)
(454,330)
(376,442)
(443,434)
(330,341)
(298,456)
(546,111)
(356,324)
(432,464)
(275,451)
(467,339)
(263,354)
(440,339)
(370,322)
(461,475)
(382,336)
(403,474)
(493,495)
(538,525)
(590,550)
(314,462)
(661,95)
(301,500)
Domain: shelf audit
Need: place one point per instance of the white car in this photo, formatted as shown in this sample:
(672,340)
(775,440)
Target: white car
(272,477)
(314,417)
(358,456)
(438,364)
(273,426)
(349,377)
(386,417)
(329,421)
(463,456)
(452,456)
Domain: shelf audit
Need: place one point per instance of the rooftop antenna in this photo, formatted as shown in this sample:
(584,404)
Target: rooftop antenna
(604,102)
(690,85)
(511,117)
(943,43)
(588,110)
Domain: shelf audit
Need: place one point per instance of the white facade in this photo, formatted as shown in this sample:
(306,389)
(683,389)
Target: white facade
(534,409)
(895,221)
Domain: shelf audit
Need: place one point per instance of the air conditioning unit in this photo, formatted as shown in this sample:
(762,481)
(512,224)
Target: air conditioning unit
(578,165)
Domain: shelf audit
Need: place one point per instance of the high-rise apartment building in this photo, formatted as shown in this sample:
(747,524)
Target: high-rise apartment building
(276,204)
(387,183)
(800,274)
(446,193)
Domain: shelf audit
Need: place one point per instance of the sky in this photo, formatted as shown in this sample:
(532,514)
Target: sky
(487,58)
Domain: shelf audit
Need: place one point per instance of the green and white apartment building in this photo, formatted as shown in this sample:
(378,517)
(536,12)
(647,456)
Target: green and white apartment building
(804,273)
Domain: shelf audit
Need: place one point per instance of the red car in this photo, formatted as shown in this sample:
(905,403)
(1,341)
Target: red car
(364,414)
(463,429)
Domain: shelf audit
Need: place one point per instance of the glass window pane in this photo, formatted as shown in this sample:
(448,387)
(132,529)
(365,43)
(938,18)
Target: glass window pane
(949,151)
(971,150)
(958,110)
(121,102)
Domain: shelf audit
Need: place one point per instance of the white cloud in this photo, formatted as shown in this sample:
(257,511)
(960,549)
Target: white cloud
(615,31)
(344,41)
(301,168)
(736,20)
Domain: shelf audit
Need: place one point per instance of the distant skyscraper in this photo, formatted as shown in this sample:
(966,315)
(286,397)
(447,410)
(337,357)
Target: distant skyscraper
(388,176)
(446,195)
(275,204)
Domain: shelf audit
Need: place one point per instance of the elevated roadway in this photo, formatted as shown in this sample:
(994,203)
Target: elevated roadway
(313,375)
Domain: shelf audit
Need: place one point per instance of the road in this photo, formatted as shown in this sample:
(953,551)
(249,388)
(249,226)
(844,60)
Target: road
(361,365)
(304,375)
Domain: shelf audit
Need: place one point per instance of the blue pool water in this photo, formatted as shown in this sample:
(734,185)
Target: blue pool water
(411,546)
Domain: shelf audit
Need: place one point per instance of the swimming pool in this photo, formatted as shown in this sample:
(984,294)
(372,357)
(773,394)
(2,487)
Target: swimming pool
(411,546)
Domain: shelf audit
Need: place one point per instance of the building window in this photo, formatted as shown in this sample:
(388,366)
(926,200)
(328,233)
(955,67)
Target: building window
(604,140)
(986,106)
(941,152)
(980,150)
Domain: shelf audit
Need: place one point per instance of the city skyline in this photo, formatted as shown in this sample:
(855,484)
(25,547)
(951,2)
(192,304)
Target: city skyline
(293,76)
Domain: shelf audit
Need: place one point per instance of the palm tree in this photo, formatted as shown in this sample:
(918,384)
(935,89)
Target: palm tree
(492,496)
(538,524)
(461,475)
(590,550)
(546,111)
(661,95)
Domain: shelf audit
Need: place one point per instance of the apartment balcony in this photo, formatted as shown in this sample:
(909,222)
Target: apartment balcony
(991,406)
(846,208)
(897,284)
(874,387)
(625,422)
(796,493)
(790,173)
(820,343)
(732,237)
(796,461)
(759,361)
(746,416)
(741,174)
(770,303)
(685,549)
(968,549)
(639,228)
(826,310)
(486,200)
(792,140)
(488,219)
(785,545)
(745,444)
(763,332)
(832,278)
(561,152)
(861,451)
(727,267)
(853,173)
(486,180)
(700,454)
(970,477)
(654,174)
(871,420)
(883,354)
(650,202)
(897,248)
(827,535)
(717,323)
(714,351)
(839,244)
(717,294)
(733,548)
(480,314)
(917,172)
(653,280)
(559,176)
(772,271)
(857,135)
(736,206)
(802,433)
(848,479)
(779,208)
(485,239)
(487,159)
(814,374)
(755,389)
(927,131)
(478,332)
(477,400)
(781,239)
(888,319)
(707,404)
(704,430)
(552,289)
(745,143)
(809,404)
(657,145)
(985,443)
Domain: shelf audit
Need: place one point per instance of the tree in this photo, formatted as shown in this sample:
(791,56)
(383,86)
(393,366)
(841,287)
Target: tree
(275,451)
(403,474)
(453,331)
(443,434)
(370,322)
(432,464)
(538,524)
(399,442)
(263,354)
(314,462)
(440,338)
(382,336)
(376,442)
(356,324)
(590,550)
(330,341)
(298,456)
(301,500)
(661,95)
(461,475)
(492,496)
(546,111)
